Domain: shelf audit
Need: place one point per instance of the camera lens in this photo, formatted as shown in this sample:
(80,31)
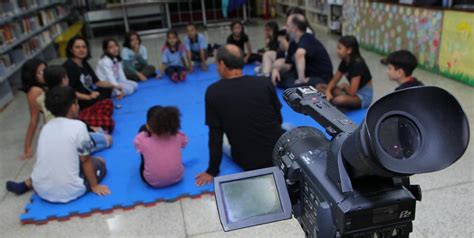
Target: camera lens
(399,137)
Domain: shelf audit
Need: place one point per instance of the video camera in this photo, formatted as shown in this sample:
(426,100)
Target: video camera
(356,184)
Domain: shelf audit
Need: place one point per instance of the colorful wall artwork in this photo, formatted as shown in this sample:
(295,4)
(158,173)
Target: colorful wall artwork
(456,58)
(388,27)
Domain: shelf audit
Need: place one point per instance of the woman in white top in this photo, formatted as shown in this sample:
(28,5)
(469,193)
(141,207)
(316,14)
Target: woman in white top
(109,68)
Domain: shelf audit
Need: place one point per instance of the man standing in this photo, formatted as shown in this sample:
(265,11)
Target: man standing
(310,62)
(244,108)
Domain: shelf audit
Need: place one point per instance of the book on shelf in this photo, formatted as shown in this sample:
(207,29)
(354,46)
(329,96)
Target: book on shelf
(5,64)
(7,8)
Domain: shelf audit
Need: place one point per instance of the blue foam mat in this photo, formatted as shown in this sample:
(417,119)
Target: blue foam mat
(123,161)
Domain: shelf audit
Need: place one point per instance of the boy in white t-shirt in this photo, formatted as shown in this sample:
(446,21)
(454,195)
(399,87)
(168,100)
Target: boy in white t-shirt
(64,169)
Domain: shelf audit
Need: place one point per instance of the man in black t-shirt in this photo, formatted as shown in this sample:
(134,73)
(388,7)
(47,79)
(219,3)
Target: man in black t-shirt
(244,108)
(310,61)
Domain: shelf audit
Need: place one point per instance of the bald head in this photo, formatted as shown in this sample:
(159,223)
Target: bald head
(298,21)
(231,55)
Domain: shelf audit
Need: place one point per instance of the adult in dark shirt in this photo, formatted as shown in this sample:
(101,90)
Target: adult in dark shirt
(312,65)
(246,109)
(82,78)
(96,108)
(400,67)
(239,38)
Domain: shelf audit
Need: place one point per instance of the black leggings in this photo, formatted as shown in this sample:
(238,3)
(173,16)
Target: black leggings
(142,170)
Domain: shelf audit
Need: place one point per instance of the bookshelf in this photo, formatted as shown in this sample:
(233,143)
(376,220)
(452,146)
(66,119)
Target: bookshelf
(27,29)
(317,11)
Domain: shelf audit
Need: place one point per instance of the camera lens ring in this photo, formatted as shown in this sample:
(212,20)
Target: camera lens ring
(414,126)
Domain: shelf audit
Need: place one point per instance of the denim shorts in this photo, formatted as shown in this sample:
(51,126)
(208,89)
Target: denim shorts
(100,140)
(365,94)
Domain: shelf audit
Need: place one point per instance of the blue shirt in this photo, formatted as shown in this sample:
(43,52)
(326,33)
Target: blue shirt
(200,44)
(173,58)
(129,54)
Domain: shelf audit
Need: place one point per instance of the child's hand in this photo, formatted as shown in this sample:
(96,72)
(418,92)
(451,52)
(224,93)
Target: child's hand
(203,179)
(301,81)
(100,190)
(94,95)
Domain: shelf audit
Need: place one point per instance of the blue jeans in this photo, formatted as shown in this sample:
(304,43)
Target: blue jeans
(365,94)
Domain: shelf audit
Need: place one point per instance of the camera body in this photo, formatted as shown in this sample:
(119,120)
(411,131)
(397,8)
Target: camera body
(325,200)
(355,184)
(386,208)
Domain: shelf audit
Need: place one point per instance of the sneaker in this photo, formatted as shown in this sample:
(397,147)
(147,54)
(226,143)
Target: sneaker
(174,77)
(182,76)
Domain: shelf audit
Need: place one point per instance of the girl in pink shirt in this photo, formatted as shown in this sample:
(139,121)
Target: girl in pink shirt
(160,143)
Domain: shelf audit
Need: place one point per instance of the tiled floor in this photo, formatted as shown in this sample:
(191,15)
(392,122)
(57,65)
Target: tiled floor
(447,209)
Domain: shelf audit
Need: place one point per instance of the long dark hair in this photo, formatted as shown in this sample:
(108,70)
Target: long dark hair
(351,43)
(274,27)
(105,45)
(28,74)
(128,39)
(178,42)
(237,22)
(70,45)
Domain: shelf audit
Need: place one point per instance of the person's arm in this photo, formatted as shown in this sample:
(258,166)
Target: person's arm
(249,51)
(89,172)
(213,120)
(35,110)
(332,84)
(354,86)
(87,97)
(143,55)
(105,84)
(85,147)
(301,65)
(189,55)
(203,51)
(162,70)
(215,148)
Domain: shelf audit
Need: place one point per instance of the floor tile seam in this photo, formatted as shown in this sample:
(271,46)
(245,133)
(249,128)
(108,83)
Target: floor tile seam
(446,186)
(184,219)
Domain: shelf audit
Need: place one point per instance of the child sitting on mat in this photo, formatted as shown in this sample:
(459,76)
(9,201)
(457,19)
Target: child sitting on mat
(173,58)
(239,38)
(56,76)
(109,69)
(358,93)
(160,143)
(400,66)
(64,169)
(135,59)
